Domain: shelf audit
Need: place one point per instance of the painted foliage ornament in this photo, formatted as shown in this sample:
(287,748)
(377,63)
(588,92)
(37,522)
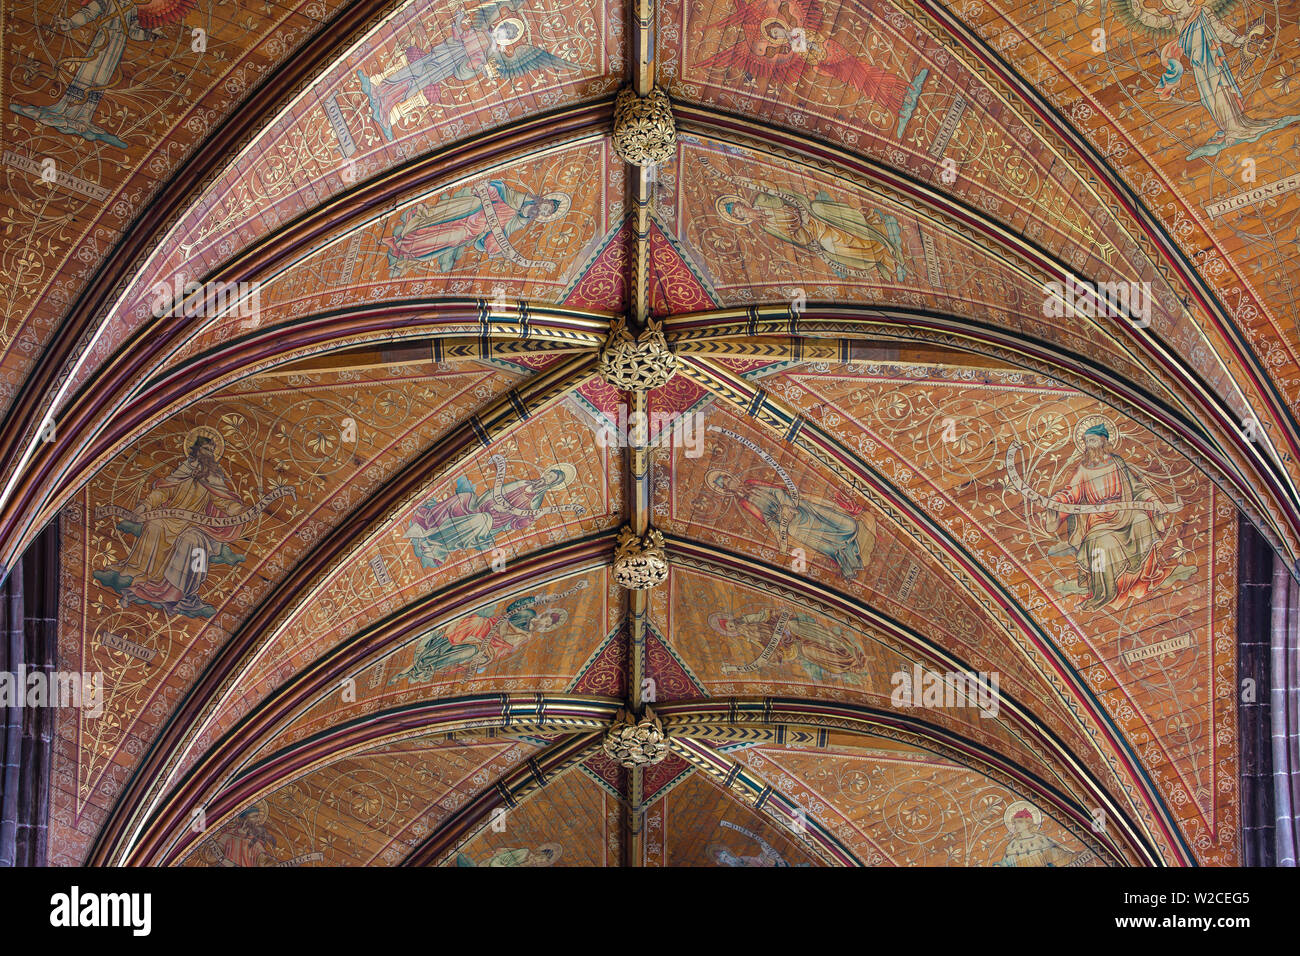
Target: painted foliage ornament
(636,364)
(644,131)
(636,743)
(640,563)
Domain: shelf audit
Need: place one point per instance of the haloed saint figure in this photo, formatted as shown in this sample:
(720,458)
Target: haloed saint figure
(471,518)
(838,530)
(790,637)
(474,642)
(168,561)
(477,45)
(485,218)
(1028,845)
(489,634)
(862,243)
(1199,30)
(1116,533)
(182,527)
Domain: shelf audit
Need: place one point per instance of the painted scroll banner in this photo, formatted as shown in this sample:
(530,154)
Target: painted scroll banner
(194,517)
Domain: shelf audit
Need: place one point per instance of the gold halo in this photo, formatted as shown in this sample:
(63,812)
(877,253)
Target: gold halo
(711,479)
(716,619)
(561,617)
(206,431)
(562,203)
(720,204)
(567,474)
(520,35)
(1016,807)
(1090,420)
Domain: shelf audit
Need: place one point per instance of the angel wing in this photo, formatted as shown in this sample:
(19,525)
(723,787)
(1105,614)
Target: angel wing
(157,13)
(760,53)
(780,67)
(1162,26)
(526,59)
(886,88)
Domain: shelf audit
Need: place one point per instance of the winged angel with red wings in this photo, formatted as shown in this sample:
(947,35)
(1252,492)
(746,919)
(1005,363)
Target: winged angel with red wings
(783,41)
(115,22)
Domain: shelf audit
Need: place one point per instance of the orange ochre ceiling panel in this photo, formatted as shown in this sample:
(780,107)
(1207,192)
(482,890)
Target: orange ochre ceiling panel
(572,821)
(554,486)
(560,214)
(745,641)
(540,636)
(420,80)
(699,823)
(885,79)
(1151,634)
(986,523)
(840,540)
(306,450)
(906,807)
(153,98)
(1147,616)
(1212,147)
(765,229)
(367,809)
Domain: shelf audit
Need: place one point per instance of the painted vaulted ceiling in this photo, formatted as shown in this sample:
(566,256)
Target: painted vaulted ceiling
(405,639)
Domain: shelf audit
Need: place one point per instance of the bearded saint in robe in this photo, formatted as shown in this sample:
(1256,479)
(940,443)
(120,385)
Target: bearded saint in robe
(1115,550)
(169,560)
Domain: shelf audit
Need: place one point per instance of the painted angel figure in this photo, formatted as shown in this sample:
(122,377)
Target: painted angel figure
(784,39)
(477,218)
(479,45)
(791,637)
(1195,29)
(478,639)
(470,519)
(838,530)
(115,22)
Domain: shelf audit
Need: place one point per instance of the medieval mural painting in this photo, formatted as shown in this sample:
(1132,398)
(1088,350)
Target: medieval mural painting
(1195,35)
(781,41)
(472,517)
(904,804)
(105,27)
(185,524)
(548,854)
(246,841)
(764,854)
(474,219)
(834,529)
(1108,519)
(365,809)
(782,636)
(486,41)
(1117,549)
(1028,845)
(476,641)
(1115,530)
(854,243)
